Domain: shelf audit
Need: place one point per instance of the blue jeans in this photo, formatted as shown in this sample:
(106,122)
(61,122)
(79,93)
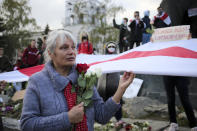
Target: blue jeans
(145,38)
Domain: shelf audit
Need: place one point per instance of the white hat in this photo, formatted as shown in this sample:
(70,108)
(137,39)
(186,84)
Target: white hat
(111,45)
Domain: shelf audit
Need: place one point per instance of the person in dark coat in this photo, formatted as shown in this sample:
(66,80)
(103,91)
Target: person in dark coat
(190,18)
(41,52)
(5,64)
(179,82)
(108,82)
(123,37)
(146,31)
(136,27)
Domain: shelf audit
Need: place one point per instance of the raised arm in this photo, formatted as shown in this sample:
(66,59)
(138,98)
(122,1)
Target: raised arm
(116,25)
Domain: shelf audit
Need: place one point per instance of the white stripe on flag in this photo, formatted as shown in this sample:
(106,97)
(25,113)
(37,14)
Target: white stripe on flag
(177,58)
(13,76)
(167,20)
(155,65)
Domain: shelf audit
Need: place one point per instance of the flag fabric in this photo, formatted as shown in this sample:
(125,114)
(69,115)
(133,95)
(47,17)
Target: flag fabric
(176,58)
(164,17)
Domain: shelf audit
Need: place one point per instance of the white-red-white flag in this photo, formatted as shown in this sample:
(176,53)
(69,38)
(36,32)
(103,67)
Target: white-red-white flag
(177,58)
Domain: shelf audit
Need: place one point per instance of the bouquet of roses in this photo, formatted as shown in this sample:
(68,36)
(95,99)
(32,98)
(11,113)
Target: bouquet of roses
(138,126)
(86,81)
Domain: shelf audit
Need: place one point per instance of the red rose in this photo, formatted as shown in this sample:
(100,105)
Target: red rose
(128,127)
(82,68)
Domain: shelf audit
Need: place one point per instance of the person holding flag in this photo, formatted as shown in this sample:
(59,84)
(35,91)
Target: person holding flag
(50,104)
(162,19)
(181,83)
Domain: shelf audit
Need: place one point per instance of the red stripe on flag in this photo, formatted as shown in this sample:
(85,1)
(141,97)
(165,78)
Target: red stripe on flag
(31,70)
(171,51)
(164,16)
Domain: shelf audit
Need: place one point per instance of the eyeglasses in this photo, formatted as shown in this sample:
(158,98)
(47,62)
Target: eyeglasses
(111,47)
(136,16)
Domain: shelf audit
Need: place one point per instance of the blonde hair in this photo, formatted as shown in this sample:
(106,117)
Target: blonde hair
(84,33)
(51,41)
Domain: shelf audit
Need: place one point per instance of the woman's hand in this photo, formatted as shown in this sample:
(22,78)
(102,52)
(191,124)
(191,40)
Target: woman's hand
(124,83)
(126,80)
(75,115)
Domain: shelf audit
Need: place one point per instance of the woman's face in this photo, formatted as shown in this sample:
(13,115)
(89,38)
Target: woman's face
(136,15)
(64,54)
(33,44)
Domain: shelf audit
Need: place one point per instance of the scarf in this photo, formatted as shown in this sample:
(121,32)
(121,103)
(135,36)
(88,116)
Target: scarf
(71,99)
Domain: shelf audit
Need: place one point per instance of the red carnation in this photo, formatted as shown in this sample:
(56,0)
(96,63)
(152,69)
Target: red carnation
(82,68)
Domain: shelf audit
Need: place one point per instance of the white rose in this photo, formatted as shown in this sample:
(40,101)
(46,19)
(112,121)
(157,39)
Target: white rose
(98,72)
(145,129)
(146,123)
(88,74)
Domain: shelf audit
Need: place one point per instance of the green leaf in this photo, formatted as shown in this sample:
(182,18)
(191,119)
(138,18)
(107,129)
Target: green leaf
(87,102)
(73,89)
(81,82)
(79,99)
(88,94)
(92,81)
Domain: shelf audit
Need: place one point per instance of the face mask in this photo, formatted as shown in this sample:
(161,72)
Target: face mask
(160,12)
(124,22)
(111,50)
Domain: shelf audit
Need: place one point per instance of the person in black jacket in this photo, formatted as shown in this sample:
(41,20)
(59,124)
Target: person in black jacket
(5,63)
(108,83)
(136,27)
(181,83)
(123,37)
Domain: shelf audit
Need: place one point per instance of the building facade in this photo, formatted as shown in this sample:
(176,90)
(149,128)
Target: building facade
(83,12)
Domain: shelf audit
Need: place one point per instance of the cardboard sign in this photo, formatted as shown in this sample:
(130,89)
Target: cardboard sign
(133,88)
(19,95)
(171,33)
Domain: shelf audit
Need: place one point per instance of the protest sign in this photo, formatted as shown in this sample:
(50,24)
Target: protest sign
(19,95)
(133,88)
(171,33)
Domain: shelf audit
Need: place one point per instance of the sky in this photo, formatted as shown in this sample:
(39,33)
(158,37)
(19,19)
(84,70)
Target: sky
(52,12)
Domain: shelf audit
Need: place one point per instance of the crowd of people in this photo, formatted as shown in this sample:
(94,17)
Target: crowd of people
(140,30)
